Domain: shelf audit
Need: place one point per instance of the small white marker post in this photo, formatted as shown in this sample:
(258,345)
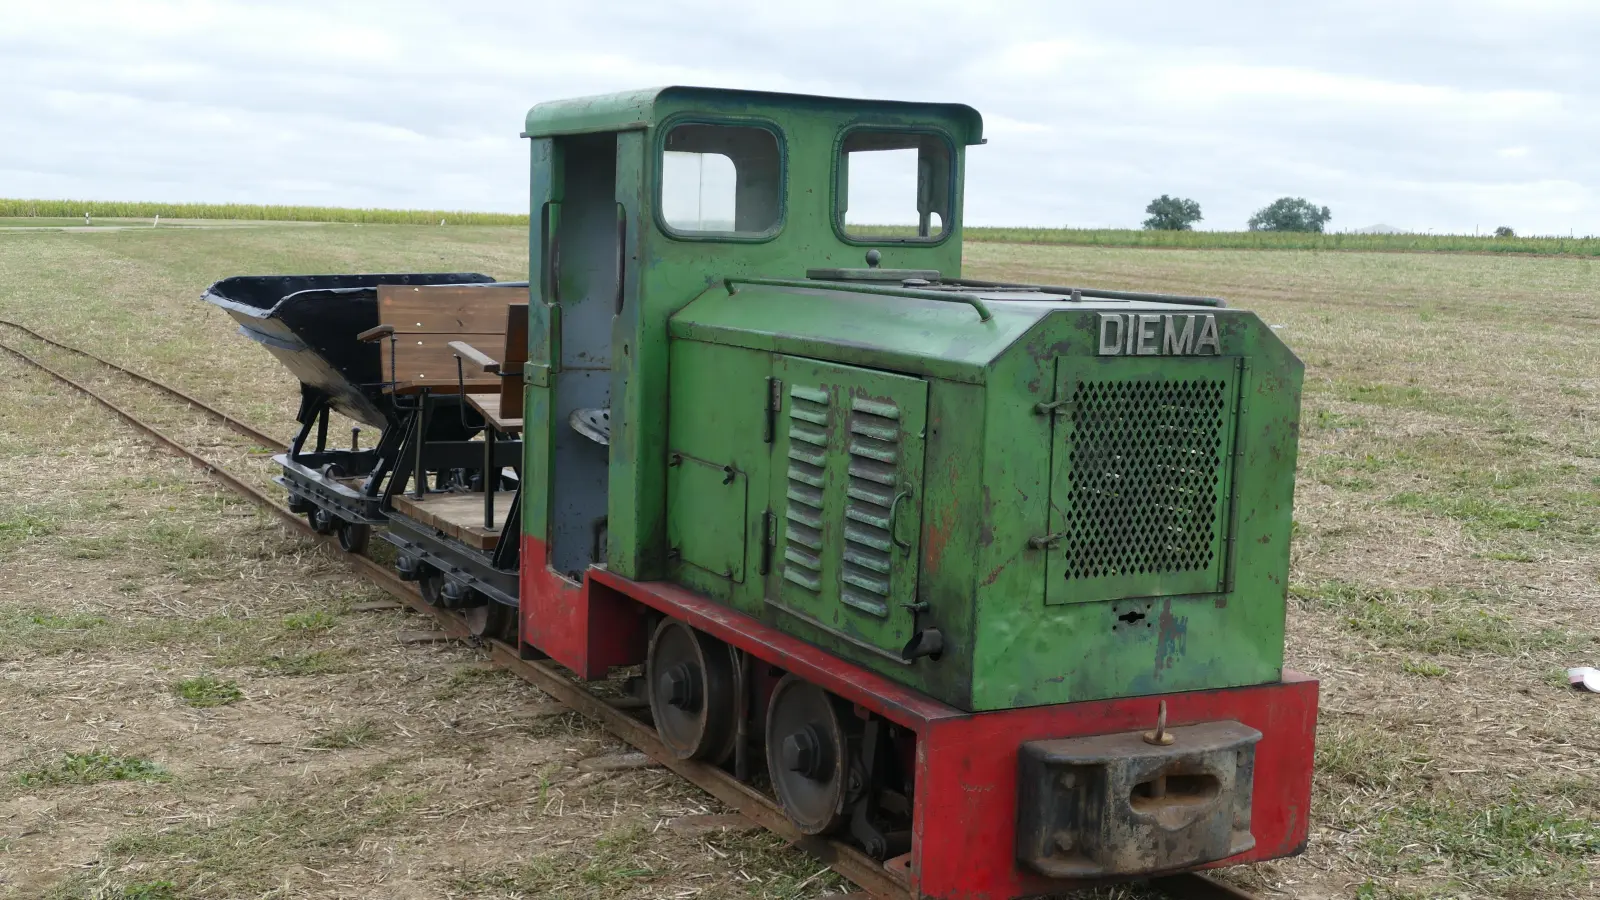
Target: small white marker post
(86,218)
(441,223)
(157,221)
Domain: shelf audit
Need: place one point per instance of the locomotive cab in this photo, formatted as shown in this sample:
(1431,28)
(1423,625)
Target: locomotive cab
(641,200)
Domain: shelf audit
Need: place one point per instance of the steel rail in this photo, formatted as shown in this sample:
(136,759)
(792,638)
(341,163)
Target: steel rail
(266,440)
(874,878)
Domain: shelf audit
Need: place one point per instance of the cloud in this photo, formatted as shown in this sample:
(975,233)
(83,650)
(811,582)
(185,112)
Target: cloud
(1423,115)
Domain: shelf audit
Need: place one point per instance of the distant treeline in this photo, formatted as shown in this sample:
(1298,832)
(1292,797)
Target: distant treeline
(1085,237)
(55,209)
(1287,240)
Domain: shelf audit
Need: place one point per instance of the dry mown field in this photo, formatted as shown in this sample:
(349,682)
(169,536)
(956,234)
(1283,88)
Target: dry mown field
(189,707)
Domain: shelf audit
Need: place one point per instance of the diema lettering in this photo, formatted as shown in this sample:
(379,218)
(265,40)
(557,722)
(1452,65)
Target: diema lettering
(1159,334)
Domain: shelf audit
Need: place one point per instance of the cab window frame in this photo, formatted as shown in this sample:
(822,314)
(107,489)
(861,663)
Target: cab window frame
(840,189)
(658,174)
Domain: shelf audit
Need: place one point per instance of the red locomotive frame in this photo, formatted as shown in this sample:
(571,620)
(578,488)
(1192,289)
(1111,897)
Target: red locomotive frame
(965,808)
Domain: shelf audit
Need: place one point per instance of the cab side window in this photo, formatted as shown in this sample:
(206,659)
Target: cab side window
(721,179)
(894,186)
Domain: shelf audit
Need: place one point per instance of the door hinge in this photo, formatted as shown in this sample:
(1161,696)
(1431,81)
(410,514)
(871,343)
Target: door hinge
(774,404)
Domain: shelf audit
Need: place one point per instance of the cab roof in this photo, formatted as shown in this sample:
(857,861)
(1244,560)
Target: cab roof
(632,110)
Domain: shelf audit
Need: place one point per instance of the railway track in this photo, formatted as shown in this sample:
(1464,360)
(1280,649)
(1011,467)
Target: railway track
(874,879)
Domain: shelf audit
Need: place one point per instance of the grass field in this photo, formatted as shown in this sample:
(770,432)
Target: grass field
(1289,240)
(192,708)
(57,213)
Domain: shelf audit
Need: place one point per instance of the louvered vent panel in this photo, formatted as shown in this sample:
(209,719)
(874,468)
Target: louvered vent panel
(808,460)
(874,457)
(1146,464)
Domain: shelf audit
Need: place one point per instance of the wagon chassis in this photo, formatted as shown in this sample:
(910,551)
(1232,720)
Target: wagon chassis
(882,880)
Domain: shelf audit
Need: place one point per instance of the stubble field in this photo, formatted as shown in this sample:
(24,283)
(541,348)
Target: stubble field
(191,707)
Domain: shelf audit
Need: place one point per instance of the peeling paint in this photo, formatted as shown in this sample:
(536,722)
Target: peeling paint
(1172,638)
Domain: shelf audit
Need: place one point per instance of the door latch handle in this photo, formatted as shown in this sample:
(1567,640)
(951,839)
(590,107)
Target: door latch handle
(894,507)
(1047,540)
(1054,407)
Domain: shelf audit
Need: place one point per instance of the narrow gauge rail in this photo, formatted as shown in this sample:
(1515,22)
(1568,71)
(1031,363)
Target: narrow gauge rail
(266,440)
(875,879)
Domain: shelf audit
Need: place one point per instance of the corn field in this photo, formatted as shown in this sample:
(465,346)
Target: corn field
(1087,237)
(1286,240)
(74,209)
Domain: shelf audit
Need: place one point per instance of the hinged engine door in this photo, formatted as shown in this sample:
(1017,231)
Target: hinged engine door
(847,496)
(1141,468)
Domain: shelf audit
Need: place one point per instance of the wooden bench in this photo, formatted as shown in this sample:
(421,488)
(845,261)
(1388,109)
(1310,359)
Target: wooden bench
(418,324)
(503,411)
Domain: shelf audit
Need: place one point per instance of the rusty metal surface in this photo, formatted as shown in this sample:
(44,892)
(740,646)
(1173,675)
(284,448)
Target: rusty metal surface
(1122,804)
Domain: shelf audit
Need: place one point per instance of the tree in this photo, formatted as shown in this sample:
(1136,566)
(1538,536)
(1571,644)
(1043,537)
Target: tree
(1504,231)
(1290,214)
(1172,214)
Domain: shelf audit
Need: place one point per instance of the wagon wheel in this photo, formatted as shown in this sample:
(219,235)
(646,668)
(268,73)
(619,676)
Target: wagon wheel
(489,619)
(431,585)
(322,521)
(807,755)
(691,682)
(353,537)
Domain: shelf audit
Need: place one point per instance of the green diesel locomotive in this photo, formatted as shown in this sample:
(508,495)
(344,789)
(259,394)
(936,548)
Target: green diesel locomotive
(987,580)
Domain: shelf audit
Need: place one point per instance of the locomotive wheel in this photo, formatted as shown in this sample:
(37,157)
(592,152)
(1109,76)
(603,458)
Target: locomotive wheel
(431,585)
(807,755)
(691,682)
(353,538)
(322,521)
(488,619)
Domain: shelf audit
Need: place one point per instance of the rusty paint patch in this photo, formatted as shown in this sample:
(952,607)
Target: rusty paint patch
(986,530)
(1172,638)
(939,537)
(995,575)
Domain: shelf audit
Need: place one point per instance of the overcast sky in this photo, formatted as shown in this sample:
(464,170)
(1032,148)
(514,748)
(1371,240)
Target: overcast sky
(1423,115)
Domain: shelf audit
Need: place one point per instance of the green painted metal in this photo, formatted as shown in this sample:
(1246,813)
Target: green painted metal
(737,385)
(847,455)
(707,509)
(649,107)
(896,330)
(971,300)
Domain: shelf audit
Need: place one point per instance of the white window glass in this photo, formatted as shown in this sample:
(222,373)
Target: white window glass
(721,179)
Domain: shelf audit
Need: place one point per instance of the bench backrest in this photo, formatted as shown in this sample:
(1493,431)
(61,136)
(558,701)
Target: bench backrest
(427,319)
(515,358)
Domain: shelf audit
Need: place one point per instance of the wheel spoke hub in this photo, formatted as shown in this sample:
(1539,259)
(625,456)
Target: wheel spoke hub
(807,746)
(692,692)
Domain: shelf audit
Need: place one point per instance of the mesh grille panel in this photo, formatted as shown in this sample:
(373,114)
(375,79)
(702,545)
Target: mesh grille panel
(1145,465)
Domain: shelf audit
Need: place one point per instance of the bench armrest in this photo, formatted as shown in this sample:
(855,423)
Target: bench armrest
(475,356)
(372,334)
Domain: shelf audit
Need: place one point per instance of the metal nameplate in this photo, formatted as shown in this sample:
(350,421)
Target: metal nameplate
(1159,334)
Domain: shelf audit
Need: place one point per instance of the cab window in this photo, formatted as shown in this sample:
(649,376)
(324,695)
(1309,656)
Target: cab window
(894,186)
(721,180)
